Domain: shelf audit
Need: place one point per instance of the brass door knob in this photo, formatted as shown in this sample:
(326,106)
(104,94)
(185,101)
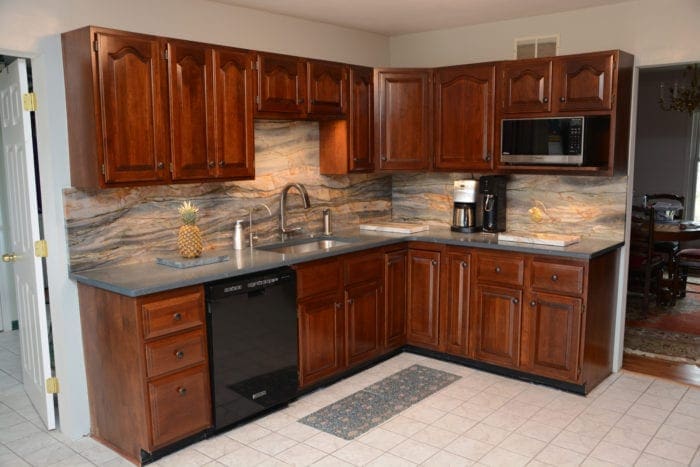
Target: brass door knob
(9,258)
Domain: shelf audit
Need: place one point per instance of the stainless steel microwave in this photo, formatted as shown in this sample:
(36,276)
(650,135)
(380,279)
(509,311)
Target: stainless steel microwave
(558,141)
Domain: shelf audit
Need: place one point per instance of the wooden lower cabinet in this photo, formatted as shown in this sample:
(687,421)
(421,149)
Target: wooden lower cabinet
(147,368)
(551,336)
(423,298)
(363,314)
(395,296)
(321,327)
(496,325)
(457,303)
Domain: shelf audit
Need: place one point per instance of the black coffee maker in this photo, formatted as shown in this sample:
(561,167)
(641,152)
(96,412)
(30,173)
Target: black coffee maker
(493,189)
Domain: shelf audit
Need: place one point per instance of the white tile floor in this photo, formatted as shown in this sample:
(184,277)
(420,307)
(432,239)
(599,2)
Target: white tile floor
(481,419)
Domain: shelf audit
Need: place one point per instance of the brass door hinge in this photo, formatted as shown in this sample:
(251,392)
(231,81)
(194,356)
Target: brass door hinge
(41,249)
(103,170)
(52,385)
(96,45)
(29,102)
(257,100)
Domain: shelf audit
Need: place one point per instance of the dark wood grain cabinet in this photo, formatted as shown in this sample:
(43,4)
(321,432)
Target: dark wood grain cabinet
(281,87)
(147,368)
(403,118)
(327,88)
(148,110)
(458,300)
(463,117)
(422,314)
(526,86)
(347,145)
(364,306)
(396,298)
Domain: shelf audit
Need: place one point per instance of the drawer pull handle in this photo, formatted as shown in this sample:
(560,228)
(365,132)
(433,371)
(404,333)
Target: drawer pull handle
(177,316)
(545,99)
(211,164)
(179,354)
(516,301)
(498,269)
(533,303)
(555,277)
(464,264)
(182,391)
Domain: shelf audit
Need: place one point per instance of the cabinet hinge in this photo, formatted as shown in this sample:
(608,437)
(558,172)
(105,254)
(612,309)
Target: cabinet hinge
(41,249)
(95,46)
(257,100)
(255,65)
(29,102)
(103,170)
(165,54)
(171,167)
(52,385)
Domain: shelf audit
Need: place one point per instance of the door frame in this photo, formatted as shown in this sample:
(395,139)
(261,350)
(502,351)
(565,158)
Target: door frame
(52,146)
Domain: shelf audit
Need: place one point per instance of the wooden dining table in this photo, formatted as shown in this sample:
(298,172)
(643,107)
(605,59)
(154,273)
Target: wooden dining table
(676,231)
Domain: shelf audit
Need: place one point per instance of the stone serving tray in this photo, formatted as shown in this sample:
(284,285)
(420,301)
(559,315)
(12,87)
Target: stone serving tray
(182,263)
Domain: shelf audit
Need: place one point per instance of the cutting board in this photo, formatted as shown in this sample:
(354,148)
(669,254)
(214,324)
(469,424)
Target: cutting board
(183,263)
(396,227)
(540,238)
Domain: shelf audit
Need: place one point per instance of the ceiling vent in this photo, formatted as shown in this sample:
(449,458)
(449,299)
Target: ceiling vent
(534,47)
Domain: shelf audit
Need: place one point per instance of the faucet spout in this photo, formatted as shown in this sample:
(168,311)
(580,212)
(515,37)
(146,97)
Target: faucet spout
(284,230)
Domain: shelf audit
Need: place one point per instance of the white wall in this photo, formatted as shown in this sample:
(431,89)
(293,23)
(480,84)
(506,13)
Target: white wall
(31,29)
(656,32)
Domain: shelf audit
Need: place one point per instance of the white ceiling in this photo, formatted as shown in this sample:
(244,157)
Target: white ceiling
(394,17)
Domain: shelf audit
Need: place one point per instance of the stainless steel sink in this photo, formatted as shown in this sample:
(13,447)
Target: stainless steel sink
(305,245)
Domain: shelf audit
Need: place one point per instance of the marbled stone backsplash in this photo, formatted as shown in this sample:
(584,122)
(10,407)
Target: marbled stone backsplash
(128,225)
(592,207)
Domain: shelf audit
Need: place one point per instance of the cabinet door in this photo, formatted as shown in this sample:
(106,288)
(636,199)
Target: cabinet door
(191,110)
(526,86)
(133,135)
(361,120)
(328,88)
(281,85)
(586,82)
(457,306)
(396,268)
(403,119)
(233,103)
(496,329)
(552,335)
(320,338)
(363,309)
(423,298)
(464,106)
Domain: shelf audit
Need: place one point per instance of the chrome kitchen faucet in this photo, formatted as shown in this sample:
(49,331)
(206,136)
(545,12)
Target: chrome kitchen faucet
(284,230)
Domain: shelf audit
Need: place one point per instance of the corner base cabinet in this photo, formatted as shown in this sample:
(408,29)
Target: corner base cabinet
(147,368)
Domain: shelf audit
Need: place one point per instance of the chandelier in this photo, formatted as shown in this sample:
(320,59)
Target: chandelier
(681,98)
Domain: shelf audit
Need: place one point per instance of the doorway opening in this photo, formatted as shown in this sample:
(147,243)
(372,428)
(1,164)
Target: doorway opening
(27,355)
(667,333)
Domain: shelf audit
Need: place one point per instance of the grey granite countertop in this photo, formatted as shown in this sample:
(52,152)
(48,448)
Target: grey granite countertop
(134,280)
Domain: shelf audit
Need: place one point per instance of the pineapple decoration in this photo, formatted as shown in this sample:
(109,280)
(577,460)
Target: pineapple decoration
(189,238)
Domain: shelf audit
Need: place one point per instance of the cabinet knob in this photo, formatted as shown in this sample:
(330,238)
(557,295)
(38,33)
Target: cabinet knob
(182,391)
(338,305)
(555,277)
(356,159)
(487,157)
(434,262)
(516,301)
(562,99)
(300,101)
(533,303)
(313,101)
(221,163)
(350,301)
(545,99)
(383,158)
(179,354)
(464,264)
(177,316)
(498,269)
(211,164)
(160,165)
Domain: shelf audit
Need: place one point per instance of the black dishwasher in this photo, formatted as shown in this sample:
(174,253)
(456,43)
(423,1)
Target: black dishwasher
(252,325)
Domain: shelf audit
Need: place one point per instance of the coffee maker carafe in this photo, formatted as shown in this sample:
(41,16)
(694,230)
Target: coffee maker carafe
(464,213)
(493,189)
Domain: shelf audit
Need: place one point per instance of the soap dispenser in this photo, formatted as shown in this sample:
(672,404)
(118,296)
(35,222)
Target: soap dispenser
(238,235)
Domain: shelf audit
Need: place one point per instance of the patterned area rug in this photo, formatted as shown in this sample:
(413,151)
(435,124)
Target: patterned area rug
(667,333)
(365,409)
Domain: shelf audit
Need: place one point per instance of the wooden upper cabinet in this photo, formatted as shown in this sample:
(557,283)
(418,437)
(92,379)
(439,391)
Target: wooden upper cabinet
(585,82)
(464,117)
(191,110)
(328,88)
(281,86)
(234,141)
(130,109)
(403,118)
(526,86)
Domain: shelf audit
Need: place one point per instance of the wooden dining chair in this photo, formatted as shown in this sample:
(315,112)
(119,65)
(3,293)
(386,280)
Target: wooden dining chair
(667,249)
(645,265)
(685,260)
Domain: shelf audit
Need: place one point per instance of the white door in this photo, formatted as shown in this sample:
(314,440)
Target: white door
(23,226)
(8,307)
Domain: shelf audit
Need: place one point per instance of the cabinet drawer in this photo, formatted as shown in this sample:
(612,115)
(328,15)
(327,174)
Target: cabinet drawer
(175,352)
(363,268)
(317,278)
(500,269)
(180,405)
(173,314)
(555,277)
